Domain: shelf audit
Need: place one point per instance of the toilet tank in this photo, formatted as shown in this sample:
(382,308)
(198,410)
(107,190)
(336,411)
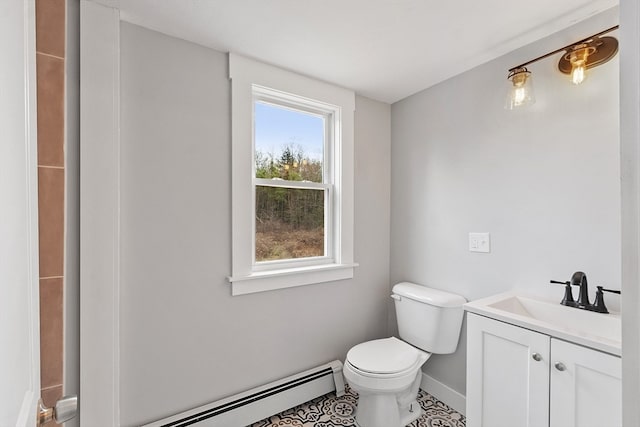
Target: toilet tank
(428,318)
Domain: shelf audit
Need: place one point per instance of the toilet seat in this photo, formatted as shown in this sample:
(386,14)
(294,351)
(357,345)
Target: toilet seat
(387,357)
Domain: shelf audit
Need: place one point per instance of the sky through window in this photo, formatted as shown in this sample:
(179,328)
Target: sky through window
(277,128)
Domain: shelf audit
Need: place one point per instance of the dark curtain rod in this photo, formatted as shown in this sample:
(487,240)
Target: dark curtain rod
(564,48)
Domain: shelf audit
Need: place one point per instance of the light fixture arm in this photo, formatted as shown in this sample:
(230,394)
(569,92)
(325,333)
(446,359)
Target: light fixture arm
(563,48)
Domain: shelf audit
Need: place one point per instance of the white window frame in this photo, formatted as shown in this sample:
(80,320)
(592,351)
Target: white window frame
(331,145)
(250,81)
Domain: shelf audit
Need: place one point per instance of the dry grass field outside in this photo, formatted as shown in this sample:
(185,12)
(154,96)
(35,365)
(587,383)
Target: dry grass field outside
(280,243)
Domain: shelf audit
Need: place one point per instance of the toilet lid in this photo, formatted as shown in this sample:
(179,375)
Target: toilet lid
(384,356)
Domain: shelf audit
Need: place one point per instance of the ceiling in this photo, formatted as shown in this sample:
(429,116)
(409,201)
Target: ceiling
(382,49)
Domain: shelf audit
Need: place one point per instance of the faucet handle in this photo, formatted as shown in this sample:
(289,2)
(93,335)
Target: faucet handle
(613,291)
(599,305)
(568,294)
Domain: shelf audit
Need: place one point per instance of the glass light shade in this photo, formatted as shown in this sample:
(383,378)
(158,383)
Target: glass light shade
(520,90)
(578,61)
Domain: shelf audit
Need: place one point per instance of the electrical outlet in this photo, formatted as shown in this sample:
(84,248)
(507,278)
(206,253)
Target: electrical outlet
(479,242)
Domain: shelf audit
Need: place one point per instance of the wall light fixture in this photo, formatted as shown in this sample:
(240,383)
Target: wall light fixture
(521,92)
(578,58)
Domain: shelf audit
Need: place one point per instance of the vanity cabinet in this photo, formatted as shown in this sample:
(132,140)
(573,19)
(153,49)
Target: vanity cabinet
(507,375)
(586,387)
(518,377)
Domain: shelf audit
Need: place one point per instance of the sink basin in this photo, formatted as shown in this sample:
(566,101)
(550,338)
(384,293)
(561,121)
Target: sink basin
(595,330)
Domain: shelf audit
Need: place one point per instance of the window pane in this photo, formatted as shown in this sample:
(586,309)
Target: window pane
(289,144)
(289,223)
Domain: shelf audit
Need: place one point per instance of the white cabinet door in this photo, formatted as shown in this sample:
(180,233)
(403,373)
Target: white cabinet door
(507,375)
(586,390)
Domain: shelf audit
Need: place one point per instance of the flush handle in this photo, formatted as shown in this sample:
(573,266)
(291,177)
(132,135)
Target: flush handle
(536,357)
(396,297)
(560,366)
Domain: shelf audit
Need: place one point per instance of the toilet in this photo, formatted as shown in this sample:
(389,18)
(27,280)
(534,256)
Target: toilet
(386,373)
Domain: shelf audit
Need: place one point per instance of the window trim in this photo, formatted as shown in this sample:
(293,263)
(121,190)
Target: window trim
(249,76)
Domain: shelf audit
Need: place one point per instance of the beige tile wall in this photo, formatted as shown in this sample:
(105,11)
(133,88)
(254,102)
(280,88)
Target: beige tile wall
(50,63)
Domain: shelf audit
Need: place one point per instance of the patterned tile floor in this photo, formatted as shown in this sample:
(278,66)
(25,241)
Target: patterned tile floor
(332,411)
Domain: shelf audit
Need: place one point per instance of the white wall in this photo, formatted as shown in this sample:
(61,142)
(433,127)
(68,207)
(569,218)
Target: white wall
(544,181)
(184,340)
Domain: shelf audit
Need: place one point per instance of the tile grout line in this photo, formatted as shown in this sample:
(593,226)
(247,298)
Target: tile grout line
(51,167)
(51,277)
(50,56)
(50,387)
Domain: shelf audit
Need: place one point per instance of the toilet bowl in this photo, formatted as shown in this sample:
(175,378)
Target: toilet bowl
(386,375)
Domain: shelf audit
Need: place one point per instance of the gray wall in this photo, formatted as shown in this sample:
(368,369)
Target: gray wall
(544,181)
(72,206)
(630,171)
(184,340)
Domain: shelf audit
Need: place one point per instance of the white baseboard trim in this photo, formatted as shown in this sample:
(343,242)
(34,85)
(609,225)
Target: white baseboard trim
(444,393)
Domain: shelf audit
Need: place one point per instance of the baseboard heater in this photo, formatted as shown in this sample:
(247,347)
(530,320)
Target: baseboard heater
(259,403)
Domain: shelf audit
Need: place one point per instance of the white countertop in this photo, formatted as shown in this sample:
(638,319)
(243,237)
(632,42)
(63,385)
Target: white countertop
(587,328)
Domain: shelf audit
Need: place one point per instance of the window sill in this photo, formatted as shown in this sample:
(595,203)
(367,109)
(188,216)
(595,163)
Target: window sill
(280,279)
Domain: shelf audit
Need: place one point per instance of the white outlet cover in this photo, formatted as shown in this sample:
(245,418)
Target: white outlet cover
(480,242)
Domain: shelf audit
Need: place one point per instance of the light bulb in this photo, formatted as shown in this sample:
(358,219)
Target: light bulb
(578,73)
(519,96)
(578,59)
(521,89)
